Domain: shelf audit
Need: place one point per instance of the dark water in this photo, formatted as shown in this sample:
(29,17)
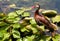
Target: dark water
(50,4)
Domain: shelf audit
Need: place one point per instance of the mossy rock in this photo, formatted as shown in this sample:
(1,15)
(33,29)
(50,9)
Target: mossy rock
(56,18)
(49,13)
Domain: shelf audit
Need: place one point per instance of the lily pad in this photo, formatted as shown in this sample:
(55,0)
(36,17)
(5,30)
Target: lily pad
(16,25)
(3,23)
(24,29)
(56,38)
(19,39)
(1,35)
(28,18)
(19,12)
(26,14)
(32,21)
(12,15)
(13,20)
(6,36)
(16,34)
(30,38)
(45,38)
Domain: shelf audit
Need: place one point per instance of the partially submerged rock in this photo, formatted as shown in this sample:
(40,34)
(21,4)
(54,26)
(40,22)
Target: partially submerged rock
(56,18)
(49,13)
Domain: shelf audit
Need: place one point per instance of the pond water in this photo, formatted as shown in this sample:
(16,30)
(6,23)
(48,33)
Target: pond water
(27,3)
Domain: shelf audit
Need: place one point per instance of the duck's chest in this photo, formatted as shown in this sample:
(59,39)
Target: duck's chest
(37,16)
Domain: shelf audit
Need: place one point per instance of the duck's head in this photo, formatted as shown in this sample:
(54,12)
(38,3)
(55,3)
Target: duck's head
(37,5)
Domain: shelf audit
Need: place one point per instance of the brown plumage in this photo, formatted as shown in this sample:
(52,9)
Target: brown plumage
(39,18)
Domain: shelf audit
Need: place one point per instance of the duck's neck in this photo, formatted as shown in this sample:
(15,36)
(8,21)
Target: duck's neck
(37,11)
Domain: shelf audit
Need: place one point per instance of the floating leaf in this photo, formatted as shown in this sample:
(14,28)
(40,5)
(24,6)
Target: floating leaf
(23,29)
(32,21)
(6,36)
(34,30)
(28,18)
(45,38)
(12,15)
(19,39)
(2,29)
(25,39)
(25,14)
(42,28)
(1,35)
(16,34)
(24,22)
(28,26)
(19,12)
(56,38)
(13,20)
(30,38)
(3,23)
(16,25)
(10,39)
(16,20)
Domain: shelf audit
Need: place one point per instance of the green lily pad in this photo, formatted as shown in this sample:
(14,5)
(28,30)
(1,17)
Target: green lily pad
(16,34)
(6,36)
(56,38)
(24,29)
(34,29)
(28,18)
(16,20)
(26,14)
(19,39)
(32,21)
(42,28)
(30,38)
(45,38)
(25,39)
(16,25)
(28,26)
(3,29)
(1,35)
(12,15)
(19,12)
(42,38)
(10,40)
(13,20)
(3,23)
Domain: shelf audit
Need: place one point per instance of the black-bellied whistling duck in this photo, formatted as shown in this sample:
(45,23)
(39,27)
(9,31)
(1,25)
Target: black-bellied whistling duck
(39,18)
